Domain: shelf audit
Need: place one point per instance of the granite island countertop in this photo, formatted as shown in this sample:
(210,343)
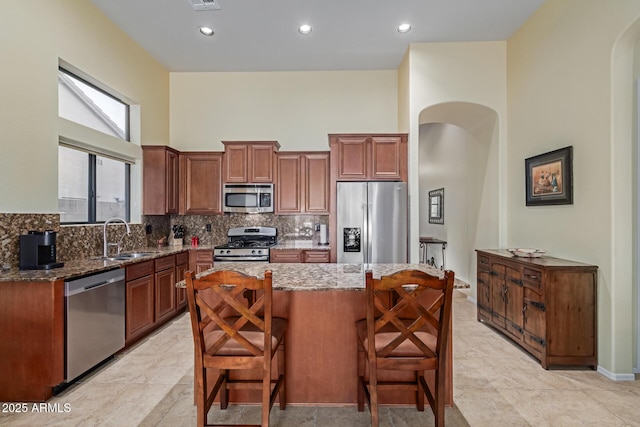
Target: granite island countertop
(318,277)
(90,265)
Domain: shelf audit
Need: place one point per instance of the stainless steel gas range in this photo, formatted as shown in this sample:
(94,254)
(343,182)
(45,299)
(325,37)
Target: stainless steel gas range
(246,244)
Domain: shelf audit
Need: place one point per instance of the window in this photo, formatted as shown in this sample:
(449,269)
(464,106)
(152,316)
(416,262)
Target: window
(86,104)
(91,188)
(93,184)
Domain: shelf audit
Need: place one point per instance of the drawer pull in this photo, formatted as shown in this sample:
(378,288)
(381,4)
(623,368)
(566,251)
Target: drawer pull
(540,341)
(531,276)
(539,305)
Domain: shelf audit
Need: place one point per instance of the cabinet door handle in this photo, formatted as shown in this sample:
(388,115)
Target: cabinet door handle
(517,282)
(524,313)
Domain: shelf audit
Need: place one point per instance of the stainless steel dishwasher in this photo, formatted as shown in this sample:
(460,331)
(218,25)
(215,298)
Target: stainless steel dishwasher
(95,320)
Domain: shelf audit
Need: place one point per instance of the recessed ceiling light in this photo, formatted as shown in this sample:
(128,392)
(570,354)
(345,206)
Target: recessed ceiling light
(304,29)
(403,28)
(206,31)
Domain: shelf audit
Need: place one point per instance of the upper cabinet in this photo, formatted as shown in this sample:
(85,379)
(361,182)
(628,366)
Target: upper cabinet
(160,193)
(200,177)
(302,182)
(249,161)
(362,157)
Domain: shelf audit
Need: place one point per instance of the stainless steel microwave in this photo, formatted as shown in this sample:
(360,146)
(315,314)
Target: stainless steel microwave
(247,198)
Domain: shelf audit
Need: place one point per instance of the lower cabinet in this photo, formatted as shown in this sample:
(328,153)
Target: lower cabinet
(151,294)
(298,256)
(546,305)
(182,264)
(200,260)
(140,313)
(165,287)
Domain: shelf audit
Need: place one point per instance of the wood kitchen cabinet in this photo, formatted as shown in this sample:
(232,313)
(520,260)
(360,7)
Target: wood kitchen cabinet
(201,183)
(362,157)
(546,305)
(182,264)
(165,287)
(249,161)
(160,180)
(302,183)
(151,294)
(140,312)
(298,256)
(200,260)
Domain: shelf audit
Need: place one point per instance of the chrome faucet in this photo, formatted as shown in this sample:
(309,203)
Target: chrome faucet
(104,234)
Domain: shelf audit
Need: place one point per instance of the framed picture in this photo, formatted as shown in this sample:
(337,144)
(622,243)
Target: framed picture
(436,206)
(549,178)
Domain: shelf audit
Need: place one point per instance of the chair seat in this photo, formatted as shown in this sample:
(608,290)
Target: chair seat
(389,332)
(249,331)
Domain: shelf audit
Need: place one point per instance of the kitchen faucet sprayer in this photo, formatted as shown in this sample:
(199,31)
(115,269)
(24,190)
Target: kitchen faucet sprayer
(104,235)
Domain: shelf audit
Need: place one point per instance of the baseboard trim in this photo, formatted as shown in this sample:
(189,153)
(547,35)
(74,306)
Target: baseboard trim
(472,299)
(616,377)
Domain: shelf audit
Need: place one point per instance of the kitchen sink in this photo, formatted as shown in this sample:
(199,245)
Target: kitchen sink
(135,254)
(126,256)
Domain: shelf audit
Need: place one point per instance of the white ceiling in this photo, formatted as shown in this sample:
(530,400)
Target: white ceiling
(261,35)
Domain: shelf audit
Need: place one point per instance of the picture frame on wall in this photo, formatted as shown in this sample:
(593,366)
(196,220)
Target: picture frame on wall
(436,206)
(549,178)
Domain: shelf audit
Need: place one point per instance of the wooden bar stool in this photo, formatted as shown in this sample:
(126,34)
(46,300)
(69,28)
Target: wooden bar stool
(234,336)
(402,332)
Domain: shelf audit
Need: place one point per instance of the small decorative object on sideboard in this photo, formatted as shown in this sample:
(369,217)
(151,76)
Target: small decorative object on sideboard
(527,252)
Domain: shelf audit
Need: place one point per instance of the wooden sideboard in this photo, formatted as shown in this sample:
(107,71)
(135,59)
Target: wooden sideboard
(546,305)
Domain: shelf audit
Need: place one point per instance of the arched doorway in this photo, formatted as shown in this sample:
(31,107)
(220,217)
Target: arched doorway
(458,151)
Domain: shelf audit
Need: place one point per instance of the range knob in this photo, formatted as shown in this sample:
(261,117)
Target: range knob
(228,251)
(253,252)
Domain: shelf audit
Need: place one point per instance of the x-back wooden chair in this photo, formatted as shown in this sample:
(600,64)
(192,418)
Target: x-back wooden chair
(408,334)
(230,335)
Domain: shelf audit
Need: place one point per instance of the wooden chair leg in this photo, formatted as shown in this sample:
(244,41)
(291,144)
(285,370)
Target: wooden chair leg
(282,366)
(201,397)
(419,391)
(439,397)
(224,390)
(373,396)
(266,394)
(360,378)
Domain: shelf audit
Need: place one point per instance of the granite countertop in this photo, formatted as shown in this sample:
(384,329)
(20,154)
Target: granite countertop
(81,267)
(301,244)
(318,277)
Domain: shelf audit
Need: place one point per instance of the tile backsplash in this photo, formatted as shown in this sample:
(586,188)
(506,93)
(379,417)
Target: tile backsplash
(290,227)
(82,241)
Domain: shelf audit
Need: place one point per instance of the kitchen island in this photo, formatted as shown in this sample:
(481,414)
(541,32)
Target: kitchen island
(322,303)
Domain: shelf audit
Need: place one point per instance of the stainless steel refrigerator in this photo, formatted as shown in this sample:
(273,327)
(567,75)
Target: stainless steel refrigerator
(372,222)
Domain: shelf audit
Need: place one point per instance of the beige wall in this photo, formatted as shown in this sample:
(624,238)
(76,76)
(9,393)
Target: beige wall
(460,83)
(560,93)
(33,38)
(297,109)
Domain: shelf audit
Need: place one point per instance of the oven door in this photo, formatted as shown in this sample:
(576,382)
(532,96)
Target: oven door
(226,259)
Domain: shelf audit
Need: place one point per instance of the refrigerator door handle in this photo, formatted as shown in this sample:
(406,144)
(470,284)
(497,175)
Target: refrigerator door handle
(368,223)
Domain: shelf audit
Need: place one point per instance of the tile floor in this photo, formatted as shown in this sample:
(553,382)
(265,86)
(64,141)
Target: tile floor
(495,384)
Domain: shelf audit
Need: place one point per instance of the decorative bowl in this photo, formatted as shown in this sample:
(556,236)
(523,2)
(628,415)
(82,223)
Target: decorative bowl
(527,252)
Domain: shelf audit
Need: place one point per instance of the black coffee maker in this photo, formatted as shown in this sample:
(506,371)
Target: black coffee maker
(38,250)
